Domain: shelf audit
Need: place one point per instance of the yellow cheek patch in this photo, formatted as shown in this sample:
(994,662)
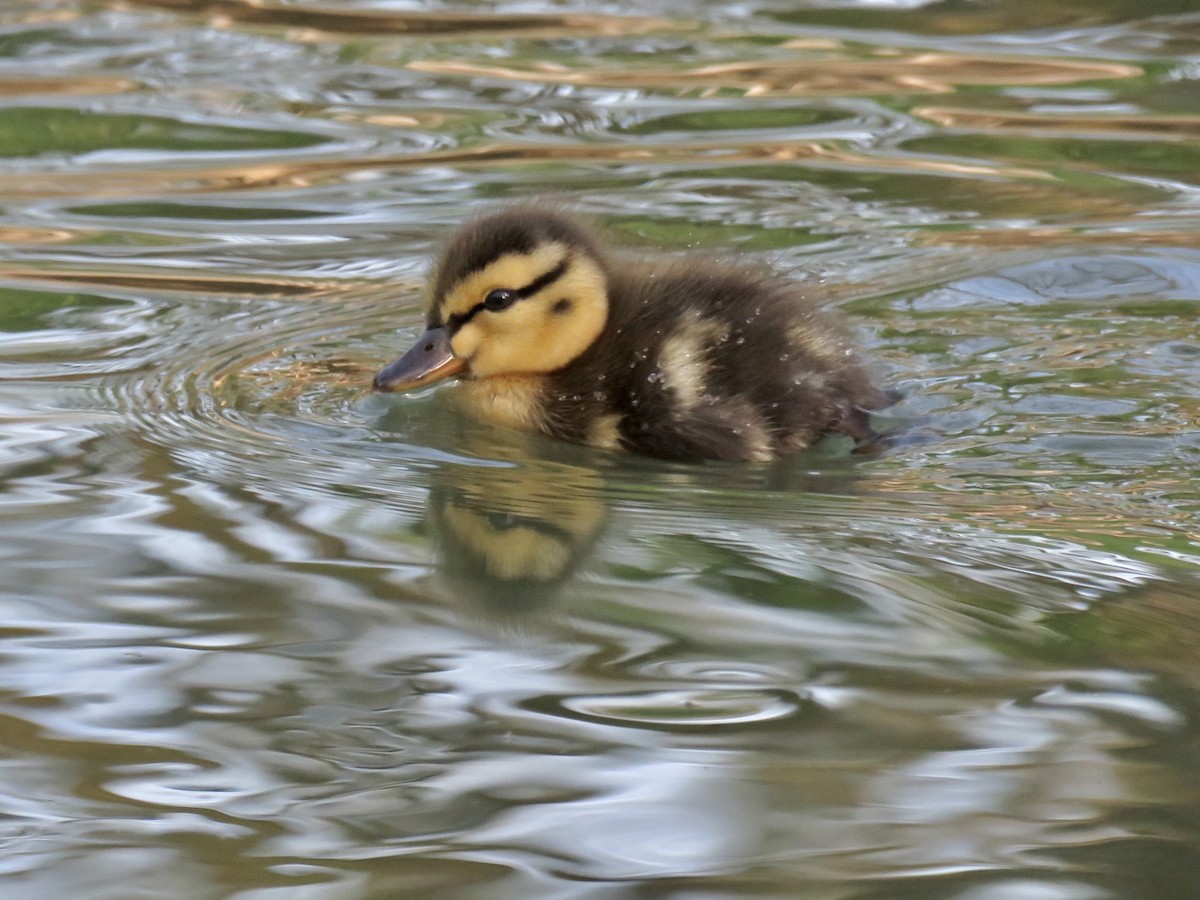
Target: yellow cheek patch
(466,340)
(536,338)
(538,333)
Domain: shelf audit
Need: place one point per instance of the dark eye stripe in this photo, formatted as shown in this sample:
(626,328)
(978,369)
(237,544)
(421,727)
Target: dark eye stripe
(543,281)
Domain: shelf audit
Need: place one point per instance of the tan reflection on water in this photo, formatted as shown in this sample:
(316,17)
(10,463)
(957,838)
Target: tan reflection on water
(312,21)
(13,235)
(25,87)
(160,281)
(1121,234)
(287,383)
(310,172)
(925,73)
(992,120)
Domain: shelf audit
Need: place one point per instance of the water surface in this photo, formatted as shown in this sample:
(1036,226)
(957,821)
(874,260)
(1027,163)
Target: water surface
(267,634)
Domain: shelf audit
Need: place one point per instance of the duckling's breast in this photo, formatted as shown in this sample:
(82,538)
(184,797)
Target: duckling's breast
(516,401)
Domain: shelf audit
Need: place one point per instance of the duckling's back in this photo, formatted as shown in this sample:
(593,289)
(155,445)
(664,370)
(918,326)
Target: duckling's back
(700,360)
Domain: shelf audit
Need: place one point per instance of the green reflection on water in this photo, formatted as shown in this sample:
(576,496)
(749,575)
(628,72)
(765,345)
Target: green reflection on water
(1179,160)
(26,310)
(33,131)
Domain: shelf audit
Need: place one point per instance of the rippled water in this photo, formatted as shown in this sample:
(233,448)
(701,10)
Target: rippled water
(266,633)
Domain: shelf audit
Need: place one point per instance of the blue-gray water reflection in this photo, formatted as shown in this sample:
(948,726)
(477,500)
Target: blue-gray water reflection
(265,632)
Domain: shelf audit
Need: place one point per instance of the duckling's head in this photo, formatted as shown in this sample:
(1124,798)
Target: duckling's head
(519,292)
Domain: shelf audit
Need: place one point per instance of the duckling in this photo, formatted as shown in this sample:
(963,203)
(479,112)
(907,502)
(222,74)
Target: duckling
(681,358)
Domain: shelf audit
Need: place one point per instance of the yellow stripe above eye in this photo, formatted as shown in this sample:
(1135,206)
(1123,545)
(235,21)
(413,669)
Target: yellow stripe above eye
(510,271)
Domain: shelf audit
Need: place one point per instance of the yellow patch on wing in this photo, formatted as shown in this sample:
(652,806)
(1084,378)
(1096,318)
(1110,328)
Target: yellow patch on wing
(756,439)
(605,432)
(683,359)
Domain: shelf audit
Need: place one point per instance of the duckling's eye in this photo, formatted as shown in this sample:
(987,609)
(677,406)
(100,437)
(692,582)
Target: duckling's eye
(500,299)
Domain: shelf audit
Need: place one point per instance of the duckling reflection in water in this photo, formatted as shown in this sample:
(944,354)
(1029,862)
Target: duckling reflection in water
(509,539)
(679,358)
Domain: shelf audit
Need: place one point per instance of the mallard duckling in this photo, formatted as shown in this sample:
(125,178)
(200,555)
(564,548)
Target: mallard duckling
(678,358)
